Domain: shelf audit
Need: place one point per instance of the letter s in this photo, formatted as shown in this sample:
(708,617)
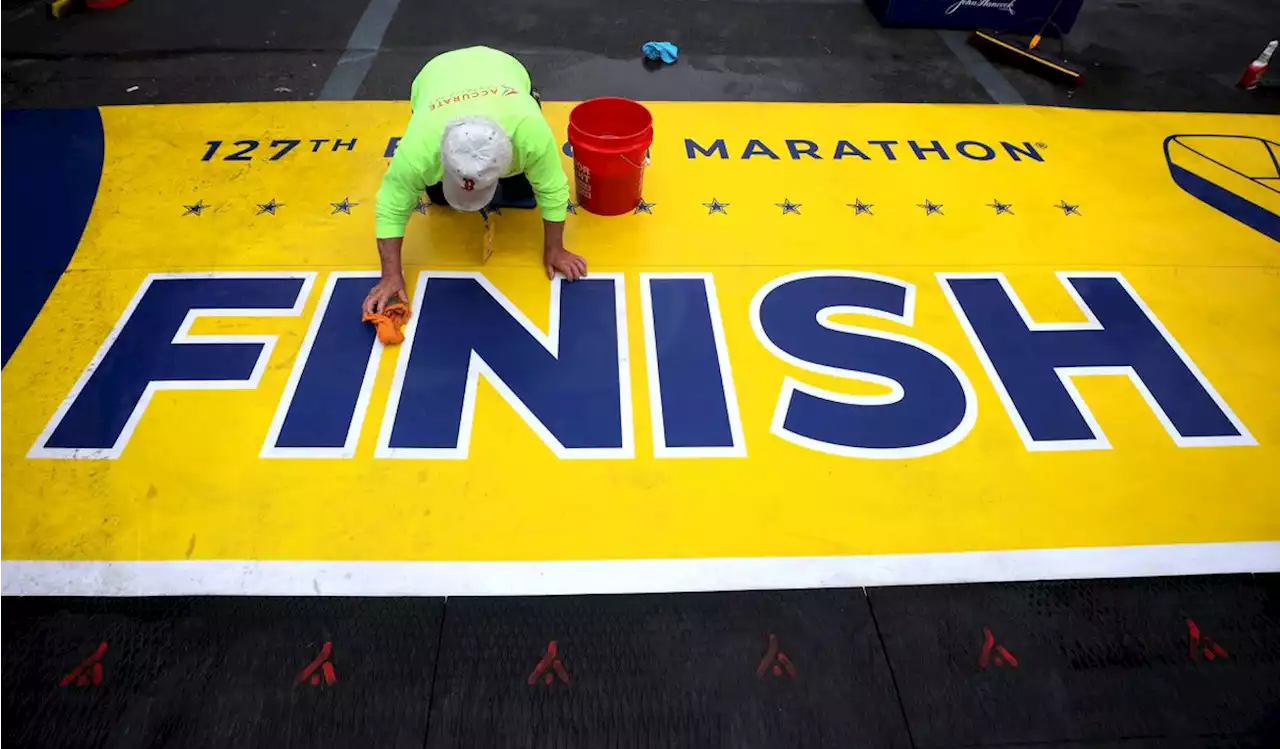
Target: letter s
(931,404)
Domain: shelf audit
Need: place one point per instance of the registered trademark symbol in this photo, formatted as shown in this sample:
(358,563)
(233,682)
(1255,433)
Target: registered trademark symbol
(1041,144)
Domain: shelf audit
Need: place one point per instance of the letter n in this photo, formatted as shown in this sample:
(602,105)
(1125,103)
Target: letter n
(571,384)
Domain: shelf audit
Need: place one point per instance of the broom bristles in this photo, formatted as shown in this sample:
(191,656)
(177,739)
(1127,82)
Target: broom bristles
(1024,58)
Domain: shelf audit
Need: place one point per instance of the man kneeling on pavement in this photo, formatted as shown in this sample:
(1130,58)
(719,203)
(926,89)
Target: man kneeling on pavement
(476,137)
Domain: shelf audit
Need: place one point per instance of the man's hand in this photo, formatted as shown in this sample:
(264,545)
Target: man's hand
(555,258)
(569,265)
(381,295)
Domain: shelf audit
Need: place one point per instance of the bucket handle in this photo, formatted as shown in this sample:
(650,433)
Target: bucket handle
(640,166)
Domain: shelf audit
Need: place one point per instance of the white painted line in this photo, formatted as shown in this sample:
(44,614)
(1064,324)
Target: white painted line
(228,577)
(362,48)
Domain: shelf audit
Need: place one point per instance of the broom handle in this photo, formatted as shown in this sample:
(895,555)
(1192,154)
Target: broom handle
(1036,39)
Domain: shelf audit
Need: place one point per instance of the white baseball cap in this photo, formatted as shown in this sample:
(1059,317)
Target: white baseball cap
(475,152)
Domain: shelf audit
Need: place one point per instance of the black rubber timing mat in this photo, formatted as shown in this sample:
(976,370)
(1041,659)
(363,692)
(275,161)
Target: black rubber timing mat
(1139,664)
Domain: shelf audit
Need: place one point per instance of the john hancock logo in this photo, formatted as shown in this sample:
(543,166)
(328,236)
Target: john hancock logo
(1005,5)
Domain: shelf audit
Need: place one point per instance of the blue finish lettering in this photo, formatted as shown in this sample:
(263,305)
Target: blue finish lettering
(568,384)
(323,404)
(395,143)
(694,411)
(1031,363)
(930,404)
(150,350)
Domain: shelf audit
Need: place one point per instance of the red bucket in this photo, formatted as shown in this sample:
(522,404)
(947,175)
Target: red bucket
(610,137)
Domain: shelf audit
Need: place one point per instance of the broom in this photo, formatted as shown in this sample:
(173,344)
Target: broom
(1026,58)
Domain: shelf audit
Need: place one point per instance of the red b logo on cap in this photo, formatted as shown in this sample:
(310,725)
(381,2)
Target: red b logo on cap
(469,185)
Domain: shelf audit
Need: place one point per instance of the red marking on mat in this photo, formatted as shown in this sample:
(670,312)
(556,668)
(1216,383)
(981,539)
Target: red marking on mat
(1203,645)
(89,671)
(775,661)
(549,664)
(993,654)
(322,665)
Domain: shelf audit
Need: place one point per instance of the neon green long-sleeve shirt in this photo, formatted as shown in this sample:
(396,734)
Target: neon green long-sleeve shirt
(471,81)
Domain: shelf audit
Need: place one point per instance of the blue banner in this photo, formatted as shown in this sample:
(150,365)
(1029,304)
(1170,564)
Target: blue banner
(1018,16)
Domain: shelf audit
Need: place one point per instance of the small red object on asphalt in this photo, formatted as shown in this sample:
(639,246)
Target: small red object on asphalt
(775,661)
(89,671)
(319,663)
(993,654)
(1203,645)
(548,665)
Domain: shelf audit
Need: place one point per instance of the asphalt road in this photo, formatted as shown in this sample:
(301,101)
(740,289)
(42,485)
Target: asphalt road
(1136,54)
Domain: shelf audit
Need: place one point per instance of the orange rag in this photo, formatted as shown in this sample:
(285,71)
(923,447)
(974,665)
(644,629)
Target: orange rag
(389,322)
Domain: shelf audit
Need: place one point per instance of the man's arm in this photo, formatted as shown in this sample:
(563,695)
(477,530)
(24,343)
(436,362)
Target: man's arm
(397,198)
(551,188)
(542,167)
(391,284)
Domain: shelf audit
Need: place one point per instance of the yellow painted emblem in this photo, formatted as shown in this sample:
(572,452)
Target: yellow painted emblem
(829,330)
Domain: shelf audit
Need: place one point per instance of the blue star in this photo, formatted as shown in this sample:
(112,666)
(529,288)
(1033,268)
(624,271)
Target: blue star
(931,208)
(860,208)
(572,207)
(344,207)
(1068,209)
(715,206)
(1001,207)
(194,210)
(268,207)
(421,207)
(644,207)
(788,207)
